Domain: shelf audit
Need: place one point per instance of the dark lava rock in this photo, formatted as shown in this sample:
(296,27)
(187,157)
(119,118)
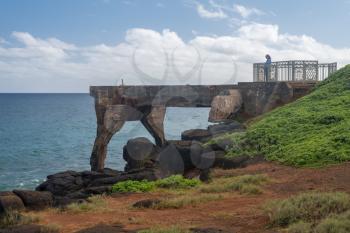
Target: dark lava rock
(201,135)
(236,162)
(139,153)
(10,201)
(34,199)
(148,203)
(24,229)
(207,230)
(101,228)
(222,145)
(205,176)
(226,127)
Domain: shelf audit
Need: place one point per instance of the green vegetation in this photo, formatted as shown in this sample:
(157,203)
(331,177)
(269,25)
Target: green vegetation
(15,218)
(312,131)
(202,193)
(177,182)
(173,229)
(93,203)
(172,182)
(133,186)
(312,213)
(186,200)
(246,184)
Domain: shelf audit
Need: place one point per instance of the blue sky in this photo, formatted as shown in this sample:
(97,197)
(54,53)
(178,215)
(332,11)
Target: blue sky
(78,36)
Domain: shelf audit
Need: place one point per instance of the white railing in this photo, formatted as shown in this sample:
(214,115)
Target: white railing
(293,71)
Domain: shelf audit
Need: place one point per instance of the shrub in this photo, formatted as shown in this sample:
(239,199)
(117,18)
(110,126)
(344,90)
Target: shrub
(300,227)
(15,218)
(133,186)
(335,224)
(307,207)
(177,182)
(172,182)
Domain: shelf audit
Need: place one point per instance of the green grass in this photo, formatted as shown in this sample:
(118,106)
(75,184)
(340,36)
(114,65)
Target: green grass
(15,218)
(313,131)
(246,184)
(172,182)
(94,203)
(177,182)
(335,224)
(311,213)
(186,200)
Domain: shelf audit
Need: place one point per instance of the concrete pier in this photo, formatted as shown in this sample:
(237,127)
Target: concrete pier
(116,104)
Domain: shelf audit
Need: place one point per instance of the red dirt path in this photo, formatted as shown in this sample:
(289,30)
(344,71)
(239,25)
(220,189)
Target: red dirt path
(234,213)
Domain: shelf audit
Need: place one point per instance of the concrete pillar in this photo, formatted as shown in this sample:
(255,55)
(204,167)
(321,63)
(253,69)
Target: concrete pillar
(153,120)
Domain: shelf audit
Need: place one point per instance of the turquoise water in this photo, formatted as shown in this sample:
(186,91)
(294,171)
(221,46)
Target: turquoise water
(41,134)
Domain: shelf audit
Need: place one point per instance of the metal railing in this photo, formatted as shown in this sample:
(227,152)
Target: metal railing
(293,71)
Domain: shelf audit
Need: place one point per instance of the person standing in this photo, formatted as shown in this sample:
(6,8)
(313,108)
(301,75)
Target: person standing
(267,66)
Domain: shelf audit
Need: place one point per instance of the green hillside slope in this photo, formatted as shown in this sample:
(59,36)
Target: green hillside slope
(313,131)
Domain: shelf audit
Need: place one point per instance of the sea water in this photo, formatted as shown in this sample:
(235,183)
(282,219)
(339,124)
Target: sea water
(41,134)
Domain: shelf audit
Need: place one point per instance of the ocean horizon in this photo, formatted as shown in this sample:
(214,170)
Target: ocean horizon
(45,133)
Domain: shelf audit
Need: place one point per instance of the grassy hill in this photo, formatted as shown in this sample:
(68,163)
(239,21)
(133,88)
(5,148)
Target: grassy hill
(312,131)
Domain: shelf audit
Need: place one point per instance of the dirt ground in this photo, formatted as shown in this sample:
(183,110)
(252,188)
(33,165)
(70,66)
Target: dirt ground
(234,213)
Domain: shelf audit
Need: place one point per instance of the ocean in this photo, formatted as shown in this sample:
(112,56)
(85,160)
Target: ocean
(41,134)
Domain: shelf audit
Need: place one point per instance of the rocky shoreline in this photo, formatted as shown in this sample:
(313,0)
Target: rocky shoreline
(145,161)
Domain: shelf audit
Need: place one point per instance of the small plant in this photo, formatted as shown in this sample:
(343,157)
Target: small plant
(133,186)
(335,224)
(94,203)
(300,227)
(177,182)
(15,218)
(307,207)
(51,228)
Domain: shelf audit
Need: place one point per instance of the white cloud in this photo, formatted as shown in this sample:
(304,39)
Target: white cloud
(210,14)
(150,57)
(246,12)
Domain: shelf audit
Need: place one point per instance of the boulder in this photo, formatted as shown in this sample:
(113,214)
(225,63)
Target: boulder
(237,162)
(101,228)
(10,201)
(201,135)
(34,199)
(148,203)
(139,153)
(25,229)
(225,106)
(62,183)
(226,127)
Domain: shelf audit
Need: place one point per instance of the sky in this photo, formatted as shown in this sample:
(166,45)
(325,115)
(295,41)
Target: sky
(66,46)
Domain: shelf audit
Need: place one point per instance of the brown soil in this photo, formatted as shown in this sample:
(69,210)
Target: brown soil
(234,213)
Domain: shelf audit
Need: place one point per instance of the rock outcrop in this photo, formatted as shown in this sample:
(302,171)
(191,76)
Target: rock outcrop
(10,201)
(70,186)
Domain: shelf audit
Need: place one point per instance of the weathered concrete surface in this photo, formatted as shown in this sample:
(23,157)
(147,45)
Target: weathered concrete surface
(116,104)
(225,106)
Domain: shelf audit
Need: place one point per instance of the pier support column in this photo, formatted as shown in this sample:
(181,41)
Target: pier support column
(153,120)
(110,119)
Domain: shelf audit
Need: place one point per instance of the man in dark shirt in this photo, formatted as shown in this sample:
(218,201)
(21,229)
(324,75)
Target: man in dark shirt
(267,67)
